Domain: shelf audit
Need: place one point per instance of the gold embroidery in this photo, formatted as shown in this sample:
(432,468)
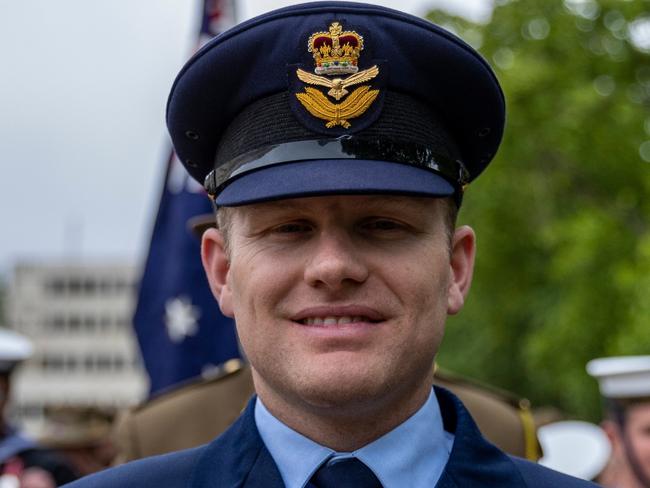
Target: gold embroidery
(337,114)
(337,85)
(336,53)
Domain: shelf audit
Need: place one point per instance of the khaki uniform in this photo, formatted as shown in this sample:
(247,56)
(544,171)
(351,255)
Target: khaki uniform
(195,413)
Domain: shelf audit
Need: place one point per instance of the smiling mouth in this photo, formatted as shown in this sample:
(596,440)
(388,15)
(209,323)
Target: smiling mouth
(332,320)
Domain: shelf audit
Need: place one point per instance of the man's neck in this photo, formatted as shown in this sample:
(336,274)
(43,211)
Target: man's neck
(348,427)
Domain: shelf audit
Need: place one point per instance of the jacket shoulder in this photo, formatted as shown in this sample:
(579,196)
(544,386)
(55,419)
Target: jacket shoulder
(169,470)
(539,476)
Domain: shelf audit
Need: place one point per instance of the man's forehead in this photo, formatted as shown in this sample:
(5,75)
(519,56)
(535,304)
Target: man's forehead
(346,203)
(640,408)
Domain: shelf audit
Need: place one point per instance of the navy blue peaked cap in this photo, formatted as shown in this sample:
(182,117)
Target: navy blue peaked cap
(335,98)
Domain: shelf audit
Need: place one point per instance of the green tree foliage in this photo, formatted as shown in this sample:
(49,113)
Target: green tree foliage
(562,214)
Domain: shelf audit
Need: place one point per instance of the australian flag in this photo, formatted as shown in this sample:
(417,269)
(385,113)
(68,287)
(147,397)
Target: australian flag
(179,326)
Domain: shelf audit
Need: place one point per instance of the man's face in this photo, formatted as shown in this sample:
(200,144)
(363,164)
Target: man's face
(637,427)
(340,300)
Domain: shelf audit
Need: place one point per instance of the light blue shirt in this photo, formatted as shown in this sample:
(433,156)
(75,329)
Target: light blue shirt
(413,454)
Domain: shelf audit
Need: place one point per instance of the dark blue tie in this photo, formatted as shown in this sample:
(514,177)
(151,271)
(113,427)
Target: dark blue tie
(347,473)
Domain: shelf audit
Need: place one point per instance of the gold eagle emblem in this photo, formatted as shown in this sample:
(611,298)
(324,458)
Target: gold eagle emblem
(337,85)
(337,113)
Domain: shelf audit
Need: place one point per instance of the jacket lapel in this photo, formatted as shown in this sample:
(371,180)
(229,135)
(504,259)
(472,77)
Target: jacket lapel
(473,461)
(237,458)
(264,472)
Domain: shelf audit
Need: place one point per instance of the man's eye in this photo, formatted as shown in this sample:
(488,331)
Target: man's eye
(292,227)
(382,225)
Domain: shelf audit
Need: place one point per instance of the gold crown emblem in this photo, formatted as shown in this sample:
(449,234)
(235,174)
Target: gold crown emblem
(335,52)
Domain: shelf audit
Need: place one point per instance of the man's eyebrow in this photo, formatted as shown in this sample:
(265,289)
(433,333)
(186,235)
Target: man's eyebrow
(397,200)
(277,205)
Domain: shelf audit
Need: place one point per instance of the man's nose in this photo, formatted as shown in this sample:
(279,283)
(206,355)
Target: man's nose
(335,262)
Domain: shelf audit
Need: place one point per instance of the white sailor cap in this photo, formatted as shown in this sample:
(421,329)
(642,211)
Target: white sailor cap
(14,348)
(573,447)
(622,377)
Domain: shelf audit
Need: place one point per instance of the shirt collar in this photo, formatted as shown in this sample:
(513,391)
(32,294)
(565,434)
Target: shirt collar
(285,445)
(413,454)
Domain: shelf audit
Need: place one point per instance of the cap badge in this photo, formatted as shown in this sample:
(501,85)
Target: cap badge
(337,53)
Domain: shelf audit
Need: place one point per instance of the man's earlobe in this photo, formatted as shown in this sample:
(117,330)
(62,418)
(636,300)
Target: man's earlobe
(612,432)
(217,266)
(463,251)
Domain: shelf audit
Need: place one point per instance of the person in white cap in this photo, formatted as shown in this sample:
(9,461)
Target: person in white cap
(23,464)
(625,386)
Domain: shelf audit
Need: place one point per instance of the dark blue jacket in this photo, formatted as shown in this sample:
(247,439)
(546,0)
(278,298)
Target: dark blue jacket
(239,458)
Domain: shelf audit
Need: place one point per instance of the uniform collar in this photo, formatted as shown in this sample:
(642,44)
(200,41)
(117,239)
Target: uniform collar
(413,454)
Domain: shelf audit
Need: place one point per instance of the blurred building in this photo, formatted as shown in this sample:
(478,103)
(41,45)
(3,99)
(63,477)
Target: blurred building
(86,355)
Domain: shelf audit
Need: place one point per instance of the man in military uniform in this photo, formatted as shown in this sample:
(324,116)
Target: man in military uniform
(625,386)
(336,140)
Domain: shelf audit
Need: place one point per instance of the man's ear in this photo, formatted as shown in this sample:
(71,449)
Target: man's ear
(217,267)
(463,250)
(613,433)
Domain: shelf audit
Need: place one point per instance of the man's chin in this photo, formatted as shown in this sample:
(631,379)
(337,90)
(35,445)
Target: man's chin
(344,393)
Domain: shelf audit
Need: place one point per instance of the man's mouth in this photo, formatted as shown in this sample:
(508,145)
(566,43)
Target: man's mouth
(333,320)
(331,316)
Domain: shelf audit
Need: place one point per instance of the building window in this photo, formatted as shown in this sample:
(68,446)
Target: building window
(123,322)
(74,286)
(104,286)
(103,363)
(55,286)
(53,363)
(71,363)
(89,363)
(89,322)
(55,323)
(74,323)
(118,363)
(90,286)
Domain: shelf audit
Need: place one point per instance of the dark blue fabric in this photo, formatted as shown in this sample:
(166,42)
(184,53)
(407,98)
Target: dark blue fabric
(347,473)
(238,458)
(167,471)
(333,177)
(250,62)
(173,273)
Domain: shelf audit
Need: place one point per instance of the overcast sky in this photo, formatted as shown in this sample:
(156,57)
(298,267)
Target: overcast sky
(83,86)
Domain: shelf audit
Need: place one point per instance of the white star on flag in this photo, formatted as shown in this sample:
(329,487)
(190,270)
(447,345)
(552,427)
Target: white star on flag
(181,318)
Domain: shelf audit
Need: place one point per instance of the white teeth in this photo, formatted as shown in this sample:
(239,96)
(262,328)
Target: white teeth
(331,320)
